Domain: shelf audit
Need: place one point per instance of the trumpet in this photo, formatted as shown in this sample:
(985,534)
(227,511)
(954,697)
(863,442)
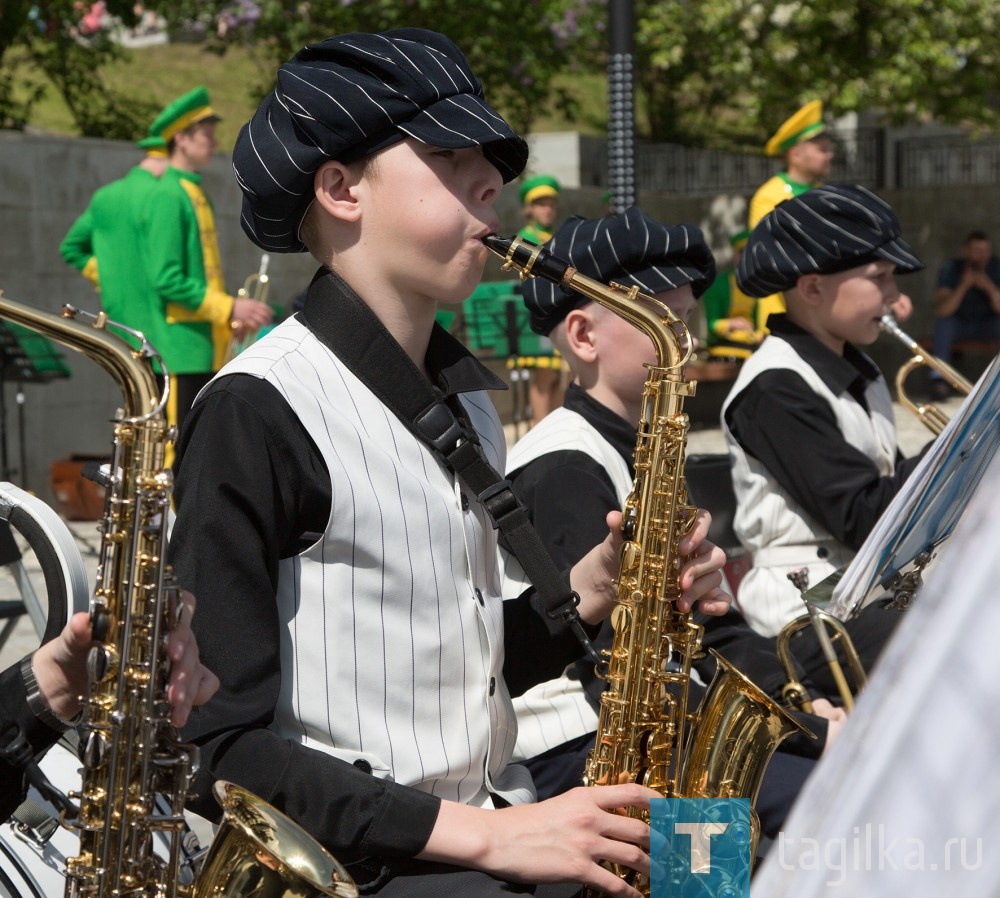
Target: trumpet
(256,286)
(828,629)
(929,414)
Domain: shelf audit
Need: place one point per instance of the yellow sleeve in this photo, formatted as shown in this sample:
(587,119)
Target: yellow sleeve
(765,199)
(90,272)
(216,306)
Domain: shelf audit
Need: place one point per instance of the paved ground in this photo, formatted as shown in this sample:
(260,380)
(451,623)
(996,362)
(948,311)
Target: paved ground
(912,435)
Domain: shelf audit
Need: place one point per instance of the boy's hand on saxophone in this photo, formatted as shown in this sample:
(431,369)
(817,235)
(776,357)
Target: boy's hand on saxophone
(60,667)
(593,576)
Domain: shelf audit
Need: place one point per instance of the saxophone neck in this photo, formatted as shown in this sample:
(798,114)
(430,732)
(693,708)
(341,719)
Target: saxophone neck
(130,368)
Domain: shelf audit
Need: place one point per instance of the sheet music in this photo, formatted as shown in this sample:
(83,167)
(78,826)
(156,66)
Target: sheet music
(925,511)
(906,803)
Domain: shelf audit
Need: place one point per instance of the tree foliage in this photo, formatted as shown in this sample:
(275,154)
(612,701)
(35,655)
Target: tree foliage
(516,47)
(44,41)
(729,71)
(710,72)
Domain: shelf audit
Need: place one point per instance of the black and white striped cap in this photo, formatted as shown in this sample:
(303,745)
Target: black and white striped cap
(823,231)
(348,97)
(631,249)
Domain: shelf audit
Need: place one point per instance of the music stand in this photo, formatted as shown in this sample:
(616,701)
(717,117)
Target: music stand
(25,357)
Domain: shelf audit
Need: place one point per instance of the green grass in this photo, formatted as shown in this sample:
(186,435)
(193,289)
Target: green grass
(236,79)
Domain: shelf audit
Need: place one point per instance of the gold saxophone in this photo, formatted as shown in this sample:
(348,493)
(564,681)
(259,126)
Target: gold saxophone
(646,732)
(129,749)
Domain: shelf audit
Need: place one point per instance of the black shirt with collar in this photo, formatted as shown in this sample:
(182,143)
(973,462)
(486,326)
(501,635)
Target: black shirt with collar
(568,495)
(779,420)
(250,473)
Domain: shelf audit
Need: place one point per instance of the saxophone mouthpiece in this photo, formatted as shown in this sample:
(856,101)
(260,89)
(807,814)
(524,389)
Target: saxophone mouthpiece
(530,259)
(499,245)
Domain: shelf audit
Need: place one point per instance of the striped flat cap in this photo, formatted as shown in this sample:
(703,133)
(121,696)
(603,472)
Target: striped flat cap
(825,230)
(348,97)
(630,249)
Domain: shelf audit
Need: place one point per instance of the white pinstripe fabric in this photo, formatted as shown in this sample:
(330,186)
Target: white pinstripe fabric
(827,229)
(387,653)
(631,249)
(556,711)
(768,517)
(347,97)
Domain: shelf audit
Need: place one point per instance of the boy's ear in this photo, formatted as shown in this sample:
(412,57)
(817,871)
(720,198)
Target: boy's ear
(579,329)
(334,185)
(810,288)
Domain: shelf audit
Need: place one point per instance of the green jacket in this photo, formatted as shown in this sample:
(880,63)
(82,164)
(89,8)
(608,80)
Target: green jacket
(181,258)
(106,244)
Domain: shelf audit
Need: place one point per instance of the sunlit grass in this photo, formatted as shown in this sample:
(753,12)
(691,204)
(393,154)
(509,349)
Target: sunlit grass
(161,73)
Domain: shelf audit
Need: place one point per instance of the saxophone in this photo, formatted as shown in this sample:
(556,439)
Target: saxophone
(129,749)
(646,732)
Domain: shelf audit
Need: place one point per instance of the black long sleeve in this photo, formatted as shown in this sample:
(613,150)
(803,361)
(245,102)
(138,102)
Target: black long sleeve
(15,714)
(806,453)
(251,489)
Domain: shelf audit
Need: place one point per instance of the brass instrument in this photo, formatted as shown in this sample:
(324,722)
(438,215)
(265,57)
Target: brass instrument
(645,731)
(129,749)
(828,629)
(929,414)
(256,286)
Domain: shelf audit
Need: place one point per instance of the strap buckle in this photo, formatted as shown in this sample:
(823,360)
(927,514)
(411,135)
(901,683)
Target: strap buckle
(506,503)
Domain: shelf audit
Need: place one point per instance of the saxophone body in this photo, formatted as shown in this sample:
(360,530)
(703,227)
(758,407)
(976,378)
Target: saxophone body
(129,749)
(647,732)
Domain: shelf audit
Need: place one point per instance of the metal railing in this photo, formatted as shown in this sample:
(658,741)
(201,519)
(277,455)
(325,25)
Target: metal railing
(869,156)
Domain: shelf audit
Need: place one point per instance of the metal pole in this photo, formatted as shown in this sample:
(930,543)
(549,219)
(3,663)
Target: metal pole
(621,112)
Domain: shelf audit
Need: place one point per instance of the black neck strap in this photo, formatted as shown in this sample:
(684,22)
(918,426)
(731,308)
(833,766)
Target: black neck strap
(338,316)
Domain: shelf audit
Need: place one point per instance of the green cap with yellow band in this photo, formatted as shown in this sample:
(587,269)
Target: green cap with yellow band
(537,187)
(153,145)
(805,124)
(182,113)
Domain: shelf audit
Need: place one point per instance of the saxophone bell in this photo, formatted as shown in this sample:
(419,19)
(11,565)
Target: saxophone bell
(929,414)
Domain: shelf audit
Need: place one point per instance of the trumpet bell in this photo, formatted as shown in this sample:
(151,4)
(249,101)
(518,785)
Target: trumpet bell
(260,851)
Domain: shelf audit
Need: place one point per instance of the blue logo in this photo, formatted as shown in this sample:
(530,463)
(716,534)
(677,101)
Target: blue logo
(700,847)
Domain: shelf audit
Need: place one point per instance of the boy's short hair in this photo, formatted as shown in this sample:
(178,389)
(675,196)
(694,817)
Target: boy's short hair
(823,231)
(631,249)
(348,97)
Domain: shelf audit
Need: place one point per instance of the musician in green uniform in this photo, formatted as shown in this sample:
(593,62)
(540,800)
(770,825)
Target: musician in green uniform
(803,142)
(539,196)
(731,315)
(181,255)
(106,231)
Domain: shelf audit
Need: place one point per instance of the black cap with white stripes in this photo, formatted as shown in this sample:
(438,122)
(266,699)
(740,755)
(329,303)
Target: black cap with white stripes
(824,231)
(630,249)
(348,97)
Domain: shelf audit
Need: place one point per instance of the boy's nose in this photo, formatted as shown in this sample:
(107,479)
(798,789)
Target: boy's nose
(489,182)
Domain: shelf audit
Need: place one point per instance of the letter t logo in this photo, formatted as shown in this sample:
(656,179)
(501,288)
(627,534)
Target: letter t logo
(701,843)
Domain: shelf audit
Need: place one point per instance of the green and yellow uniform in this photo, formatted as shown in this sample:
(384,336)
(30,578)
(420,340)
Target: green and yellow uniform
(805,124)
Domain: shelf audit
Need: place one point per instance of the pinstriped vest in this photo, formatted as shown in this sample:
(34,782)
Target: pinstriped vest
(556,711)
(392,622)
(768,521)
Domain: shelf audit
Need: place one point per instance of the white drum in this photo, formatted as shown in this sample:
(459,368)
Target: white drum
(31,867)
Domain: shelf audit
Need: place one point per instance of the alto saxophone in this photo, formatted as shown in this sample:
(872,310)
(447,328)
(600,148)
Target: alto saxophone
(129,749)
(646,732)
